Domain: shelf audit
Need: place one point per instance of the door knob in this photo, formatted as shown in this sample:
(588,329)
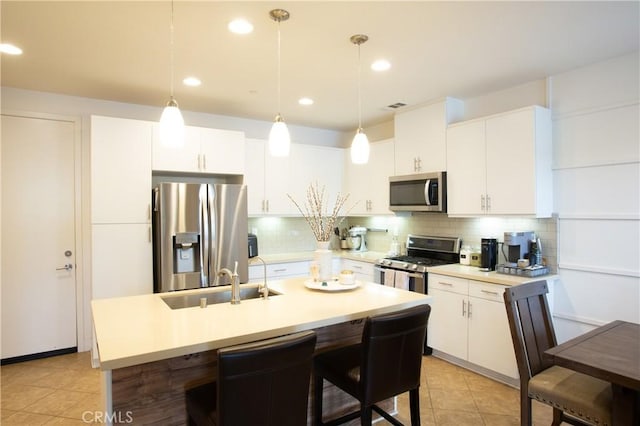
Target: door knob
(66,267)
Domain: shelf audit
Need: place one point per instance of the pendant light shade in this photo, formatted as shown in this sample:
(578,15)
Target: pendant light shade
(279,139)
(360,144)
(360,148)
(171,121)
(172,125)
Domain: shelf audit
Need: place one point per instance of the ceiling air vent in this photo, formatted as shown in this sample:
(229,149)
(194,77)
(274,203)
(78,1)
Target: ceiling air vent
(396,106)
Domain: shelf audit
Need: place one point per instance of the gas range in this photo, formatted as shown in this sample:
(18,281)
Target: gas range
(424,252)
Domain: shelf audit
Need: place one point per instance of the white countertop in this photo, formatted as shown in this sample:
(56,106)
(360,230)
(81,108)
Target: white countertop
(139,329)
(474,273)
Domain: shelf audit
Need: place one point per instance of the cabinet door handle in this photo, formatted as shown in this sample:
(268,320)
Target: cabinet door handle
(469,310)
(464,308)
(199,162)
(267,206)
(204,162)
(150,235)
(488,202)
(482,203)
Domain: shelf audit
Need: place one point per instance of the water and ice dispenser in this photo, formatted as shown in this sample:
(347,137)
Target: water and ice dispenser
(186,252)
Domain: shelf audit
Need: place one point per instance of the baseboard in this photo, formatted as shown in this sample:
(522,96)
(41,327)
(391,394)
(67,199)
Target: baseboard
(509,381)
(39,355)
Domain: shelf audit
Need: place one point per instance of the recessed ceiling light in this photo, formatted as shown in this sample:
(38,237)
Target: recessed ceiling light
(381,65)
(192,81)
(240,26)
(10,49)
(305,101)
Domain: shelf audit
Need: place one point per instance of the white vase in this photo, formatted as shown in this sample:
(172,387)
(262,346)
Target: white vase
(323,258)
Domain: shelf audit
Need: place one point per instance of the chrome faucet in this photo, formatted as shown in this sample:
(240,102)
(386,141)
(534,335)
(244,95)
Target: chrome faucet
(263,288)
(235,283)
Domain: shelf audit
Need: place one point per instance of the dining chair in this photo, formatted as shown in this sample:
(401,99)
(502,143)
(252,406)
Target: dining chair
(576,398)
(262,383)
(384,364)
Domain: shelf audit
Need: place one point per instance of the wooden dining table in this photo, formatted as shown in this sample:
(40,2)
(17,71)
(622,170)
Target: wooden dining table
(611,353)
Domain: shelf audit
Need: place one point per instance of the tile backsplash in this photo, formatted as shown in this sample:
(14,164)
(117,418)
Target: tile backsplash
(292,234)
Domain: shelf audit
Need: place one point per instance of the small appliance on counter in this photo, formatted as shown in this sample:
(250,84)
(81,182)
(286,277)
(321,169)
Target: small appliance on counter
(517,245)
(489,254)
(253,245)
(524,255)
(356,238)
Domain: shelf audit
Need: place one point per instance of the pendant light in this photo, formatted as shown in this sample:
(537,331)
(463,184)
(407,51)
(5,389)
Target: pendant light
(171,121)
(360,144)
(279,139)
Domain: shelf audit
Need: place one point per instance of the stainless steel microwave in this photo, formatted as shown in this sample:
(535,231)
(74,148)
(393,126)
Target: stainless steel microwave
(424,192)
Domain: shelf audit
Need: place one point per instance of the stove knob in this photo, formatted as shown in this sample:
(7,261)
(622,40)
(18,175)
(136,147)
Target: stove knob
(414,267)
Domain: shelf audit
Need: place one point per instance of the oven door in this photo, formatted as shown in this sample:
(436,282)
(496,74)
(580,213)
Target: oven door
(417,281)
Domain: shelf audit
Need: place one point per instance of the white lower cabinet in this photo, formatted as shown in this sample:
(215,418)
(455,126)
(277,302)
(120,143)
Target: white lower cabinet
(363,270)
(278,270)
(122,260)
(469,322)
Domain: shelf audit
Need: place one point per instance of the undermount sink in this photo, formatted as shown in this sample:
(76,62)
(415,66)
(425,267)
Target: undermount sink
(177,301)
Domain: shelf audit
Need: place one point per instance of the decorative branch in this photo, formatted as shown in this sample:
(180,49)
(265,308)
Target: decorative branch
(314,212)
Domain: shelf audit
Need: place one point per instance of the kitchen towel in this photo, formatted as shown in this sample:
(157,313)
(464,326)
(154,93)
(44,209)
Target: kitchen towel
(389,277)
(402,280)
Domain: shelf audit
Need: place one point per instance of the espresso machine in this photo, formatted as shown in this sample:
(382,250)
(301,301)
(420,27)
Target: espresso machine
(517,245)
(356,238)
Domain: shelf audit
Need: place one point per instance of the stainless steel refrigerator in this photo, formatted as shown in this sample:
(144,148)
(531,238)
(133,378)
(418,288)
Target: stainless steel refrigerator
(198,229)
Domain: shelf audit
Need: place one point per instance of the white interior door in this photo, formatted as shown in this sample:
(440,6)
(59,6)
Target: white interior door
(38,240)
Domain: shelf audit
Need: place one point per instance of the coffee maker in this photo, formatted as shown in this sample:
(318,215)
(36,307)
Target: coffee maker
(489,254)
(517,245)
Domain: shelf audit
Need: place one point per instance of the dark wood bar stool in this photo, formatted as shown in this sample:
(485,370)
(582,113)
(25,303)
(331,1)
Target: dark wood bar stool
(576,398)
(386,363)
(263,383)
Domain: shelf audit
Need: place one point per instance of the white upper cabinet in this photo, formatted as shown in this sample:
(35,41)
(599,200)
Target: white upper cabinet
(501,165)
(205,151)
(368,184)
(267,180)
(420,136)
(120,170)
(270,179)
(311,165)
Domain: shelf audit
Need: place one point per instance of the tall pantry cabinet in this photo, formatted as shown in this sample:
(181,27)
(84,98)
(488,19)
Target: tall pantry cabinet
(121,207)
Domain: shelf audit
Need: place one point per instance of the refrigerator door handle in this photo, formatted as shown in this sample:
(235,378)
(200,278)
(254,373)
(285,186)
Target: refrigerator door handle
(204,236)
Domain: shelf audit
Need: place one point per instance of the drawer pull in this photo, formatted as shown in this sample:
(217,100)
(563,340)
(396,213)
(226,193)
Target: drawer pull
(280,270)
(445,283)
(495,293)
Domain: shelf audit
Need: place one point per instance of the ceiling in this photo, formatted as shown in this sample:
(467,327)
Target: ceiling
(120,51)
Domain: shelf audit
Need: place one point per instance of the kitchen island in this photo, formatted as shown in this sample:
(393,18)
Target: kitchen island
(150,354)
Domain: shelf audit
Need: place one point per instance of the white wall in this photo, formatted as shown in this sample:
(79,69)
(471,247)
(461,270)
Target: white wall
(596,135)
(31,101)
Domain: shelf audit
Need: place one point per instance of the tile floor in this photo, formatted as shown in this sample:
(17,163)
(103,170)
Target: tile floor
(61,390)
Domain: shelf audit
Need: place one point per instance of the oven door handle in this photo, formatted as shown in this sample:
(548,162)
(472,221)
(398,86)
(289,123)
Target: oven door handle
(410,274)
